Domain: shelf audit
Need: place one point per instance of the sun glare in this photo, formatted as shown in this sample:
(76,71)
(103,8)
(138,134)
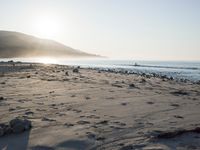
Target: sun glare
(47,26)
(46,60)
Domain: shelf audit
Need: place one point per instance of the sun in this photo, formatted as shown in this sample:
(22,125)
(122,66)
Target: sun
(47,26)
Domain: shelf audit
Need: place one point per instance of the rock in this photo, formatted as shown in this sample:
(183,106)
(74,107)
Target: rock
(76,70)
(143,80)
(7,130)
(151,103)
(175,105)
(179,92)
(28,76)
(128,147)
(83,122)
(1,98)
(68,124)
(100,138)
(1,131)
(124,104)
(67,73)
(172,134)
(18,128)
(29,113)
(132,85)
(19,125)
(104,122)
(11,109)
(47,119)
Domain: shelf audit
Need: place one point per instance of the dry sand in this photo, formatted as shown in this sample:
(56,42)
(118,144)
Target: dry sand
(97,110)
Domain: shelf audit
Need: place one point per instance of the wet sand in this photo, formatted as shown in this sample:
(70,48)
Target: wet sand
(88,109)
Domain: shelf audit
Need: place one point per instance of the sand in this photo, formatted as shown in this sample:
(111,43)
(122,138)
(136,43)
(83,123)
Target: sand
(95,109)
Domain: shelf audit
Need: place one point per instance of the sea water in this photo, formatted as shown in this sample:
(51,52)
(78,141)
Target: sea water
(175,69)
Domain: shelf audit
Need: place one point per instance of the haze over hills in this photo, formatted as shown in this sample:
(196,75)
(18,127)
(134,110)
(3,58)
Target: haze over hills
(16,45)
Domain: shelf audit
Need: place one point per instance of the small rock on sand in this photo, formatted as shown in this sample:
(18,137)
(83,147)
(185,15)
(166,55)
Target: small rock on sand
(76,70)
(1,131)
(67,73)
(19,125)
(132,86)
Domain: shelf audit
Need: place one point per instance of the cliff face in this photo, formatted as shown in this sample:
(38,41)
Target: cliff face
(15,44)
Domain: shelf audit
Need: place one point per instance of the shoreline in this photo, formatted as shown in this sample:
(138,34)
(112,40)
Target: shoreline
(72,107)
(114,70)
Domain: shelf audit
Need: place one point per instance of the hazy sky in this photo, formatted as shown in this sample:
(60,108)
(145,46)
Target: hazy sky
(136,29)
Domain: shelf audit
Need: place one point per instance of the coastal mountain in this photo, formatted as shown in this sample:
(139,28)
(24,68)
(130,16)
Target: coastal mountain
(15,45)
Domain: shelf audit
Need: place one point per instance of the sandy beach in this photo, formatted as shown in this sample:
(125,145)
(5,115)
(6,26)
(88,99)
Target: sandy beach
(88,109)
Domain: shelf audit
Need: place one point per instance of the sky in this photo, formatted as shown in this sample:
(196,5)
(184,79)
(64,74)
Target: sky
(121,29)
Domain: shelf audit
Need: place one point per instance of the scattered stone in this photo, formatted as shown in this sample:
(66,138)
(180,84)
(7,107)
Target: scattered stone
(1,131)
(177,116)
(132,86)
(128,147)
(124,104)
(179,92)
(68,125)
(19,125)
(117,85)
(15,126)
(103,122)
(76,70)
(143,80)
(175,105)
(172,134)
(67,73)
(11,109)
(87,98)
(29,113)
(91,135)
(100,138)
(151,103)
(47,119)
(82,122)
(73,95)
(1,98)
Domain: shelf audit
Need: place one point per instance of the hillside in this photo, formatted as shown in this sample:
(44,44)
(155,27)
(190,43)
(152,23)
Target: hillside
(15,44)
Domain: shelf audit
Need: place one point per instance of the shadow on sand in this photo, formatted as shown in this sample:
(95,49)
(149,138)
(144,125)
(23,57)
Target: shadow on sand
(69,144)
(15,141)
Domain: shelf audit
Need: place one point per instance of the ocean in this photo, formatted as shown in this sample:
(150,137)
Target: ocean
(175,69)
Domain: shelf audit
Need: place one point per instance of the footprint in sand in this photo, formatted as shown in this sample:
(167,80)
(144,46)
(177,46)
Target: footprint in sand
(179,117)
(68,125)
(48,119)
(83,122)
(175,105)
(151,103)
